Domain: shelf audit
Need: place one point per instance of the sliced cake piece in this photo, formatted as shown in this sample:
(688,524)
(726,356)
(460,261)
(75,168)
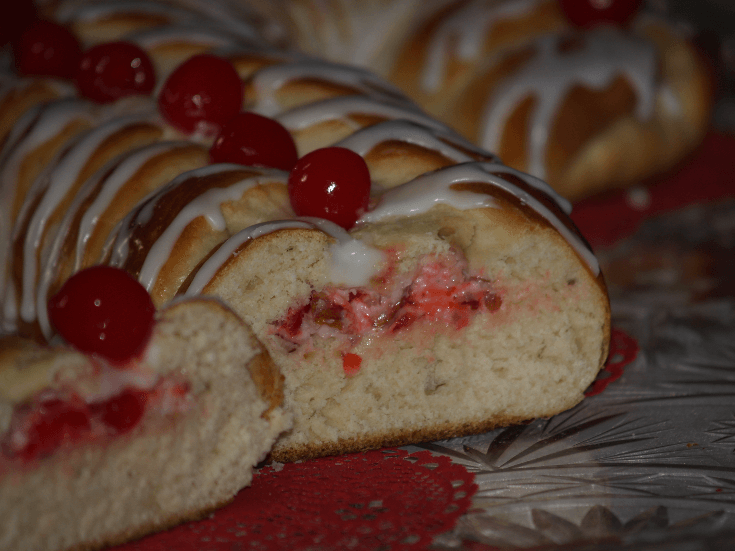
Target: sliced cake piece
(96,453)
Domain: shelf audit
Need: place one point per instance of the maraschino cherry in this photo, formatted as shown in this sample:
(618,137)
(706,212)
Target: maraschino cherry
(201,95)
(113,70)
(122,412)
(590,13)
(47,49)
(331,183)
(253,140)
(104,311)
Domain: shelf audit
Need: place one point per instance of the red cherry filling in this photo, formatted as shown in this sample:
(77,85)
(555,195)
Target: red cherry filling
(439,293)
(38,429)
(110,71)
(47,49)
(331,183)
(589,13)
(122,412)
(201,95)
(253,140)
(103,310)
(351,363)
(53,422)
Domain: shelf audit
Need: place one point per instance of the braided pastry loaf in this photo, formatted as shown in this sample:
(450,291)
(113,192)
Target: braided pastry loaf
(461,300)
(94,454)
(585,110)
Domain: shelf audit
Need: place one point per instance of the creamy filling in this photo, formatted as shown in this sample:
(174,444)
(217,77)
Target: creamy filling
(441,292)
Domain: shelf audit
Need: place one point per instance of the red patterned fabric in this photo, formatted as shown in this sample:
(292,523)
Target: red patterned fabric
(381,500)
(623,350)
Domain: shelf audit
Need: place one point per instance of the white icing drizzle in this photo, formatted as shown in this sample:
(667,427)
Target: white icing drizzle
(114,182)
(422,193)
(93,11)
(362,141)
(61,178)
(70,11)
(670,100)
(370,29)
(200,33)
(9,321)
(341,108)
(117,242)
(603,55)
(208,205)
(214,263)
(353,31)
(353,262)
(270,79)
(202,19)
(10,83)
(37,126)
(108,183)
(467,28)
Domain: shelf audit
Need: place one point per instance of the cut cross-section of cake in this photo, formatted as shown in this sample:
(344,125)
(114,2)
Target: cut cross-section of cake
(464,300)
(96,452)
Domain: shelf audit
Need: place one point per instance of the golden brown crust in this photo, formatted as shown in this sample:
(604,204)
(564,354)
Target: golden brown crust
(265,200)
(597,142)
(502,36)
(34,162)
(583,114)
(22,98)
(631,151)
(393,162)
(464,109)
(398,438)
(153,174)
(112,28)
(269,381)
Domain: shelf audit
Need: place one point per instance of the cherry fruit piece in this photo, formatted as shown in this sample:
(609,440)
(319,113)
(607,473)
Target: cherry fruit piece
(122,412)
(589,13)
(253,140)
(331,183)
(47,49)
(201,95)
(102,310)
(55,421)
(113,70)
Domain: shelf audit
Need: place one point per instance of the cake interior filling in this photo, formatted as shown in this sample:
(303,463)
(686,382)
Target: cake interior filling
(56,418)
(440,292)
